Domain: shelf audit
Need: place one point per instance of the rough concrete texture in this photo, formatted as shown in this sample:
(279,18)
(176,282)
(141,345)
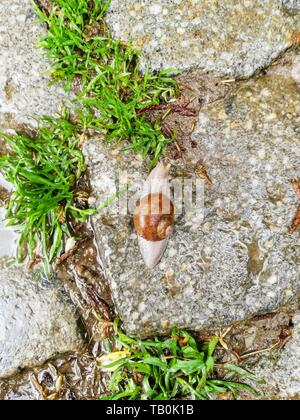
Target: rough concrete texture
(278,373)
(288,66)
(224,37)
(291,6)
(24,90)
(240,261)
(36,321)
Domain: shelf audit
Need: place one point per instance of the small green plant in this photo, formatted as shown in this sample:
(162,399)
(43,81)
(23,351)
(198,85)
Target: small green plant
(114,92)
(44,171)
(168,368)
(69,41)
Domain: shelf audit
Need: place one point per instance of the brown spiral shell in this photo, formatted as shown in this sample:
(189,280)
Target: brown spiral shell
(154,217)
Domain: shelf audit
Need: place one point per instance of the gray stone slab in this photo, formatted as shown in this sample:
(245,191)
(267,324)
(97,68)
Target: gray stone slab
(37,321)
(24,90)
(223,37)
(241,260)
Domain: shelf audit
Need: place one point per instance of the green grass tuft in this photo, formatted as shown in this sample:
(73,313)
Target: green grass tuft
(114,92)
(44,171)
(69,40)
(166,369)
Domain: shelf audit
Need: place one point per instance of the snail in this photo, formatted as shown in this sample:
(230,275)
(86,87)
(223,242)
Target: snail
(154,216)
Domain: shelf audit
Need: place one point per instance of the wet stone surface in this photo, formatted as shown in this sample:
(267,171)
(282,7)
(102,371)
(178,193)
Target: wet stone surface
(268,346)
(287,66)
(237,263)
(240,261)
(265,338)
(292,6)
(24,90)
(225,38)
(37,321)
(197,88)
(279,372)
(71,377)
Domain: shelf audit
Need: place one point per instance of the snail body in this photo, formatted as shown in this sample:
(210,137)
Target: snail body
(154,216)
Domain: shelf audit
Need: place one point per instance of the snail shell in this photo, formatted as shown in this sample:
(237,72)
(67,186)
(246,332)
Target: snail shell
(154,216)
